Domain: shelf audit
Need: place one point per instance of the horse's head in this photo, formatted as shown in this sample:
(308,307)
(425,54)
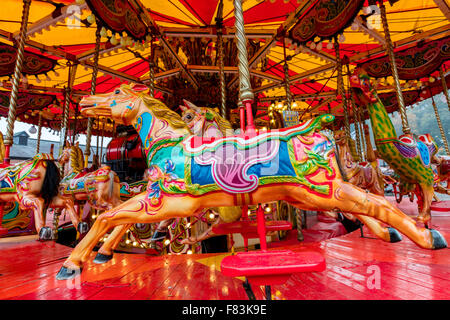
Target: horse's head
(204,121)
(339,137)
(118,104)
(429,141)
(361,85)
(193,115)
(73,155)
(64,157)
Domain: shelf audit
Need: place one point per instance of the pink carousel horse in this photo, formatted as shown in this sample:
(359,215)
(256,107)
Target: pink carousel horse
(189,173)
(34,185)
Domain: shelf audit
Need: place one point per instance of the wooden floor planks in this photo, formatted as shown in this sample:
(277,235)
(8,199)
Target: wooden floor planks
(28,269)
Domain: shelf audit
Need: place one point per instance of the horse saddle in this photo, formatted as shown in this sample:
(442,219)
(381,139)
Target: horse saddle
(411,146)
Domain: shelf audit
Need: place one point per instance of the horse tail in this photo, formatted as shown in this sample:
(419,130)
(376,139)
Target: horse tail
(51,182)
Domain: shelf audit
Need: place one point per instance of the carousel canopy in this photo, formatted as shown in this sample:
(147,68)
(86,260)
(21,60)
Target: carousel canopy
(181,36)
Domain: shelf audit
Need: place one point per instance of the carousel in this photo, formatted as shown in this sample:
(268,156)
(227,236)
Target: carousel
(225,150)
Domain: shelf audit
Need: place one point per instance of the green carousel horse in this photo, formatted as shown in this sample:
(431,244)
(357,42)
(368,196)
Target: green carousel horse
(410,156)
(189,173)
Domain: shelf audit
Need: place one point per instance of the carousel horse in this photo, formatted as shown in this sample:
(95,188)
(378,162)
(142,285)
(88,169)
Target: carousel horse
(207,122)
(34,185)
(441,168)
(203,122)
(409,155)
(189,173)
(364,176)
(100,188)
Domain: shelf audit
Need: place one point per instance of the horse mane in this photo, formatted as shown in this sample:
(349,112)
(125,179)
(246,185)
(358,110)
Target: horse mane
(223,124)
(161,111)
(76,158)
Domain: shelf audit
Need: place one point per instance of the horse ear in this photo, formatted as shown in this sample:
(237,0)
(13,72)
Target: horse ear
(183,108)
(216,109)
(192,106)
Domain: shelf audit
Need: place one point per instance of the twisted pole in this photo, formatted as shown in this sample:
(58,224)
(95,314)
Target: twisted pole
(151,70)
(38,144)
(223,105)
(245,93)
(398,90)
(444,86)
(65,118)
(441,129)
(361,122)
(87,151)
(16,80)
(355,119)
(287,83)
(341,89)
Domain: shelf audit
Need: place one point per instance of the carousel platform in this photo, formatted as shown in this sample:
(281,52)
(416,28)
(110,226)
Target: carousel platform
(357,269)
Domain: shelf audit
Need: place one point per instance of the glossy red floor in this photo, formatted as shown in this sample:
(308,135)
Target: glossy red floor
(357,268)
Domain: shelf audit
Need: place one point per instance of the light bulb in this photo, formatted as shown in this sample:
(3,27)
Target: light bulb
(32,130)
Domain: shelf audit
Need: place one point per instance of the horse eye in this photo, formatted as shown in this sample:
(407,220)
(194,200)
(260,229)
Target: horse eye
(188,116)
(117,91)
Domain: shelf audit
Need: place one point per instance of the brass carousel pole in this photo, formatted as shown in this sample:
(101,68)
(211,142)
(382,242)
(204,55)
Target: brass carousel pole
(223,100)
(245,93)
(15,81)
(287,84)
(151,70)
(65,119)
(98,136)
(87,151)
(38,143)
(341,89)
(361,123)
(444,86)
(398,90)
(220,54)
(355,120)
(103,135)
(441,129)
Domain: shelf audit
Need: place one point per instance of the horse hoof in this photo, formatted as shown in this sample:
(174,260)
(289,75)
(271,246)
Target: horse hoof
(439,241)
(66,273)
(394,235)
(45,234)
(158,235)
(83,227)
(102,258)
(424,218)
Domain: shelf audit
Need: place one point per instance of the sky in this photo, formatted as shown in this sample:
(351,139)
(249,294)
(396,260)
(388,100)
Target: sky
(47,134)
